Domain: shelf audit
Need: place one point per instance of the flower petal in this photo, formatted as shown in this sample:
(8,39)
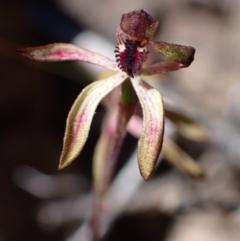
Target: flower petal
(64,51)
(112,136)
(177,53)
(180,159)
(150,142)
(134,126)
(139,24)
(81,114)
(161,68)
(187,126)
(104,157)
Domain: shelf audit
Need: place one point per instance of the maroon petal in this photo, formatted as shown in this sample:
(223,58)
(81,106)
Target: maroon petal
(161,68)
(138,24)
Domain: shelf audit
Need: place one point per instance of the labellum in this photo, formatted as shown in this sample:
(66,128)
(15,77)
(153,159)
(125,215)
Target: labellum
(130,57)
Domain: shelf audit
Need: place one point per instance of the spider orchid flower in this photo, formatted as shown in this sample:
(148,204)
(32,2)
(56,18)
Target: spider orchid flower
(138,28)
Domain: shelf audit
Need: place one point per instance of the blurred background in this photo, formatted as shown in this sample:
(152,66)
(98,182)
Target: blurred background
(37,202)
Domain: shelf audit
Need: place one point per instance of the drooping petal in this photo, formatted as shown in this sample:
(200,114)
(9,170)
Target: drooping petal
(134,126)
(65,51)
(150,142)
(177,53)
(180,159)
(112,136)
(81,114)
(104,149)
(187,126)
(161,68)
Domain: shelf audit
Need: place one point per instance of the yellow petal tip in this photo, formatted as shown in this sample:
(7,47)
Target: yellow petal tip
(145,174)
(62,166)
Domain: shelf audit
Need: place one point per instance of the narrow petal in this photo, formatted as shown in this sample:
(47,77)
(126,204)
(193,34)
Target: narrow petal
(180,159)
(103,150)
(187,126)
(177,53)
(134,126)
(81,114)
(150,142)
(110,142)
(161,68)
(105,155)
(64,51)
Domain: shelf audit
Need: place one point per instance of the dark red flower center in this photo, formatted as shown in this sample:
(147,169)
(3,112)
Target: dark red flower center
(130,58)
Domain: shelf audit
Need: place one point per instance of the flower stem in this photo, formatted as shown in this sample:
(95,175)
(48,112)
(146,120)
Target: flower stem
(111,139)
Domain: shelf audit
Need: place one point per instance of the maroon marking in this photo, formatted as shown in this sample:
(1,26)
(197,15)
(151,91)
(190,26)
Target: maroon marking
(130,59)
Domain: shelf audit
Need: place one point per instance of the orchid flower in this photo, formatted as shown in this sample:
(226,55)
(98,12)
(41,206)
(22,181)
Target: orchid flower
(126,87)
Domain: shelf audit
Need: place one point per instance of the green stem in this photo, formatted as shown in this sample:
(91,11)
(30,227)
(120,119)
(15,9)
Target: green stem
(128,95)
(127,104)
